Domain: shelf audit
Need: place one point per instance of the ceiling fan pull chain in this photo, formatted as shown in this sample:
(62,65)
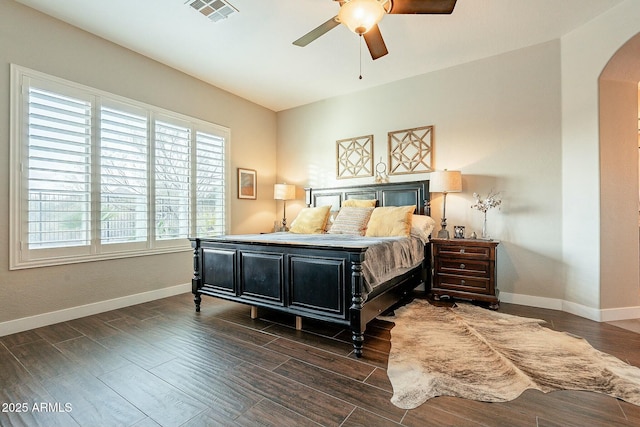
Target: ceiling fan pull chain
(360,57)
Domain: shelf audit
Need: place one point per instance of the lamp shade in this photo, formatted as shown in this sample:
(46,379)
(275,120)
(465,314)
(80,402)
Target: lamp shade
(360,15)
(445,182)
(284,191)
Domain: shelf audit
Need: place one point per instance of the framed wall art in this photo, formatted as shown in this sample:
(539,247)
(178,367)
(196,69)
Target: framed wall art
(354,157)
(247,184)
(411,150)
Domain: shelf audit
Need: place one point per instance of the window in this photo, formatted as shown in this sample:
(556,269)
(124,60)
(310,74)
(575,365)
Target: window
(173,176)
(123,175)
(58,180)
(96,176)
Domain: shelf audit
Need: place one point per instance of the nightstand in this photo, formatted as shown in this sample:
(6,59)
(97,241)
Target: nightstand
(466,269)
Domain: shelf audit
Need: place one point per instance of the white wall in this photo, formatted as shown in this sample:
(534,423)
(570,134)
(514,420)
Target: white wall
(36,41)
(585,53)
(497,120)
(619,268)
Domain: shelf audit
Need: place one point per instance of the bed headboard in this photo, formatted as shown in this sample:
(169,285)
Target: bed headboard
(389,194)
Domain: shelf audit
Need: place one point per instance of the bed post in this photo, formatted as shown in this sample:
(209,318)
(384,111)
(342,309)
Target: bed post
(196,281)
(355,311)
(426,268)
(307,197)
(426,197)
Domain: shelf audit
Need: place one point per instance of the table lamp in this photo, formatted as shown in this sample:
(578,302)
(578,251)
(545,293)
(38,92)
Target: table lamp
(284,192)
(445,182)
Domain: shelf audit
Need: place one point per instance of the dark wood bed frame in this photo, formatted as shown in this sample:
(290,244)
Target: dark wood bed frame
(323,283)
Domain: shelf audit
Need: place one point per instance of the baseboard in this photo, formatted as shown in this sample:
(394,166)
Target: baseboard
(531,301)
(37,321)
(615,314)
(595,314)
(590,313)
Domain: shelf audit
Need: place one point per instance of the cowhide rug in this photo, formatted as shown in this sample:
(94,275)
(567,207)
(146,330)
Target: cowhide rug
(474,353)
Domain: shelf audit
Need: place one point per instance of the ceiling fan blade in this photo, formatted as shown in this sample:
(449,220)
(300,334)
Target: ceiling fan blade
(422,6)
(375,43)
(317,32)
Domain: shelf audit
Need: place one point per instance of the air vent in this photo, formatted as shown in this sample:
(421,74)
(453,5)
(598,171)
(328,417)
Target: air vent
(215,10)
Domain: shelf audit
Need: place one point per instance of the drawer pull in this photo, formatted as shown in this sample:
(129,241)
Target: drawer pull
(462,250)
(462,282)
(462,266)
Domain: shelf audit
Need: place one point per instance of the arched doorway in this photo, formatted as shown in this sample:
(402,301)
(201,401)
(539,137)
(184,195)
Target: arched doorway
(618,133)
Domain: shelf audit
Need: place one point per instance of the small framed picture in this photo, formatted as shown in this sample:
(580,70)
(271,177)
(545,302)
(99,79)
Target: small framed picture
(247,183)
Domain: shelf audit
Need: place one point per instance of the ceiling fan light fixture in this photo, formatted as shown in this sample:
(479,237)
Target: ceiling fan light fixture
(361,15)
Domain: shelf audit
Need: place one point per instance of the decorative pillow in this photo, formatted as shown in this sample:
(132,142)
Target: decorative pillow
(422,226)
(330,219)
(390,221)
(311,220)
(351,220)
(358,203)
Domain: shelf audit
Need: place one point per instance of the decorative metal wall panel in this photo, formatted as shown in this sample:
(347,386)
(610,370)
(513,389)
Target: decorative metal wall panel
(411,151)
(354,157)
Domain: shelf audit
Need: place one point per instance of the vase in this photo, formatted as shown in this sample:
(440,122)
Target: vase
(485,234)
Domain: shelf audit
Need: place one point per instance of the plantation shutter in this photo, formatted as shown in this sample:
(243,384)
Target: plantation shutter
(172,180)
(58,170)
(210,184)
(96,176)
(123,176)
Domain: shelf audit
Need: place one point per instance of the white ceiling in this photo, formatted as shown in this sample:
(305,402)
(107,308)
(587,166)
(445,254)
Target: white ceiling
(251,53)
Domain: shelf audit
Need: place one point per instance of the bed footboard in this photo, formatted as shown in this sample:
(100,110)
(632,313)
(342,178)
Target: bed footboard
(308,282)
(323,284)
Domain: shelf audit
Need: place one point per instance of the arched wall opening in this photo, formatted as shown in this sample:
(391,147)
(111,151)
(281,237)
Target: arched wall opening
(618,134)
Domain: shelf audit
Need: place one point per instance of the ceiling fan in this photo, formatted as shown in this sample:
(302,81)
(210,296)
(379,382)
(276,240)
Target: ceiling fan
(362,17)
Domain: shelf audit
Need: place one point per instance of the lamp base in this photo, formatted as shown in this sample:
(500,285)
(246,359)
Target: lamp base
(443,234)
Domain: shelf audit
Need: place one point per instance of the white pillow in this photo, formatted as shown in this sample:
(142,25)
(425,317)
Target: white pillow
(422,226)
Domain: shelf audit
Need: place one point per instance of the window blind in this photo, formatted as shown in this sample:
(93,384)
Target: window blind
(97,176)
(172,180)
(210,184)
(58,170)
(123,176)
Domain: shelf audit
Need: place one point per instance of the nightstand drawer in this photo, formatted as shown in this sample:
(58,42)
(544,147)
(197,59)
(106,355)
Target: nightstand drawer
(463,267)
(463,284)
(464,251)
(466,269)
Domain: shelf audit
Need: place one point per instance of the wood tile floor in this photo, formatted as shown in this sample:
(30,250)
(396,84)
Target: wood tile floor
(160,363)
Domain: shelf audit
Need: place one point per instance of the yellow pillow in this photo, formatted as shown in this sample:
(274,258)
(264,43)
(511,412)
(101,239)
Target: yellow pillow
(390,221)
(311,220)
(358,203)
